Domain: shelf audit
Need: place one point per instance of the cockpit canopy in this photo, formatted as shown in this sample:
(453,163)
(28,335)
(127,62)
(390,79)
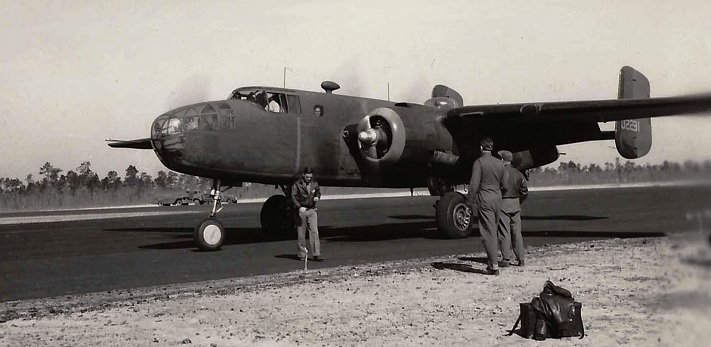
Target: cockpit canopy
(220,115)
(276,101)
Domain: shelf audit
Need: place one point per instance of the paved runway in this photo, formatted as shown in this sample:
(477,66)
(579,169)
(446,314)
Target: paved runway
(124,250)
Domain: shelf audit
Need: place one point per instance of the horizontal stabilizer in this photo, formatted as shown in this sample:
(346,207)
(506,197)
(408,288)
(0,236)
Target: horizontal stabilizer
(135,144)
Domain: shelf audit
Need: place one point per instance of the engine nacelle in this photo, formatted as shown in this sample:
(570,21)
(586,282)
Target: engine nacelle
(534,157)
(396,150)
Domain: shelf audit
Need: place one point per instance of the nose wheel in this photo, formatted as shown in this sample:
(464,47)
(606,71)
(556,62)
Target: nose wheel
(209,235)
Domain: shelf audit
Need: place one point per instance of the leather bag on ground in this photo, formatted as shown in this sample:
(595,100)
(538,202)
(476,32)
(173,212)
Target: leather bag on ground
(554,313)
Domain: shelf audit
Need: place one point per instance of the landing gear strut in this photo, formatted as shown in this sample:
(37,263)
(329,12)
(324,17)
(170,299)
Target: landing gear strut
(277,215)
(210,234)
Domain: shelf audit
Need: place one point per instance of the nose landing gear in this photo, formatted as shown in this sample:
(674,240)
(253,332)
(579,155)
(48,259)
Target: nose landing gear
(210,234)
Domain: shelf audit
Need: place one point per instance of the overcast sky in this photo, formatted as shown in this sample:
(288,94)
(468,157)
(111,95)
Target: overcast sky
(77,72)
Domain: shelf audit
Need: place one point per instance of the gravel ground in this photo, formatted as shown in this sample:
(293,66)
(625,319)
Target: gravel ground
(637,292)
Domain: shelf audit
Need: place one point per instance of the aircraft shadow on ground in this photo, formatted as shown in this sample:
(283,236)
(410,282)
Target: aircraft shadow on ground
(237,236)
(367,233)
(563,217)
(412,217)
(591,234)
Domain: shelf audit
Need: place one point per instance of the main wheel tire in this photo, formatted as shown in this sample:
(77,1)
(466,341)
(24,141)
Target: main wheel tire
(454,219)
(209,234)
(277,216)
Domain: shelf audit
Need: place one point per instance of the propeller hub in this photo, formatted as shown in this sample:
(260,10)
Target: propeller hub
(368,137)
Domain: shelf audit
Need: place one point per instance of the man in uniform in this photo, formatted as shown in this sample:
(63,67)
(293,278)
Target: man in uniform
(485,191)
(514,192)
(305,194)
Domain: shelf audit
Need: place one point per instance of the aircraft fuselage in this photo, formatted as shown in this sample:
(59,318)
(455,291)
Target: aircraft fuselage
(238,140)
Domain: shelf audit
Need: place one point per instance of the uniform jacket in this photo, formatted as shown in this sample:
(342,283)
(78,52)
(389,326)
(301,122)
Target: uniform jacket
(514,184)
(302,194)
(515,190)
(487,181)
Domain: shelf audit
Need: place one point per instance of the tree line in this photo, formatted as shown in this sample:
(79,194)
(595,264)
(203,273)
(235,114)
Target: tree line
(83,178)
(618,172)
(82,187)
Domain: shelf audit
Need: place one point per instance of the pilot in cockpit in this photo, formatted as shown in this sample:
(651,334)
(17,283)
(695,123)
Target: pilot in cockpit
(273,105)
(259,97)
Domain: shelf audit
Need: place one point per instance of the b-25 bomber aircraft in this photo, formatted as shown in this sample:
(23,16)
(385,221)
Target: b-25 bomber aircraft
(267,135)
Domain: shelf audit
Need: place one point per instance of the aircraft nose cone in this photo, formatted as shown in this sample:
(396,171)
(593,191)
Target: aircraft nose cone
(367,137)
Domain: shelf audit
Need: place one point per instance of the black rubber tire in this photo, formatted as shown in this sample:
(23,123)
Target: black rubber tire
(277,216)
(452,220)
(209,234)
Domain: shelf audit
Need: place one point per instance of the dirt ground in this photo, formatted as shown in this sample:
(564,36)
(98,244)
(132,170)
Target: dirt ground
(635,292)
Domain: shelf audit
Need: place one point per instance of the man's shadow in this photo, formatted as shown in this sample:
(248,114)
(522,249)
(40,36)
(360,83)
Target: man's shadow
(457,267)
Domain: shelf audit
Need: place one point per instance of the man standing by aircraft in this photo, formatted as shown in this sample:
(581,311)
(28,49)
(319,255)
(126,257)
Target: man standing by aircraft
(485,191)
(305,194)
(515,191)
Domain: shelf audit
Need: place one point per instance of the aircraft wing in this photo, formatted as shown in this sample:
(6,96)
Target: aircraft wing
(585,111)
(526,125)
(144,143)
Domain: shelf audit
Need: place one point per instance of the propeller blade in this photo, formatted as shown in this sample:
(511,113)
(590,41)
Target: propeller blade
(372,152)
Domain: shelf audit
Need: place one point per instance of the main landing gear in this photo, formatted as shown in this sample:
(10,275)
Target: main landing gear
(276,217)
(453,216)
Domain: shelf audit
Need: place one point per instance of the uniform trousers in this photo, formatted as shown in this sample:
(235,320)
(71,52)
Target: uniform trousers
(488,213)
(510,230)
(308,220)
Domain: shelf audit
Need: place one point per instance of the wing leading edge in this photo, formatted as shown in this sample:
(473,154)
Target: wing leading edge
(584,111)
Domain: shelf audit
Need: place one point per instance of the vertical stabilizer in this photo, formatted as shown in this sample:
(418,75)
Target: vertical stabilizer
(633,137)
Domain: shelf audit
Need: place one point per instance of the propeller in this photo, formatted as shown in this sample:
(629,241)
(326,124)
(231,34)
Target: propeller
(374,136)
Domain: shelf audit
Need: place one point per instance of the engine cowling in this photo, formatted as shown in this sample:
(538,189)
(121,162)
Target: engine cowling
(381,136)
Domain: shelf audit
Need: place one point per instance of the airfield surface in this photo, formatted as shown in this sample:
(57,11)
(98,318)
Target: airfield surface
(388,280)
(106,254)
(635,292)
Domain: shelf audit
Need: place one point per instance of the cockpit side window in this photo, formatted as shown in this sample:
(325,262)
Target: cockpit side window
(276,102)
(294,104)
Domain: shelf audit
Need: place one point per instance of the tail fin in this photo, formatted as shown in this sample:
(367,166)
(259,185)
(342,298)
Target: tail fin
(633,137)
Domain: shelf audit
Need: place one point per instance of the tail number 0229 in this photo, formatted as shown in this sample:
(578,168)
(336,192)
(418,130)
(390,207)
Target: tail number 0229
(630,124)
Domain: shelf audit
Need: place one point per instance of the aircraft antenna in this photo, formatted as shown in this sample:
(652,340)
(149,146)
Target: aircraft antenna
(284,77)
(388,91)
